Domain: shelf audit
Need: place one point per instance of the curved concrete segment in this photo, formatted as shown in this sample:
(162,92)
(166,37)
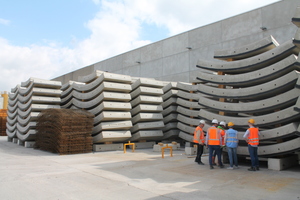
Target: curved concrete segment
(286,115)
(286,99)
(296,39)
(146,91)
(112,116)
(112,125)
(110,106)
(247,51)
(187,111)
(188,120)
(147,125)
(185,136)
(296,17)
(253,63)
(146,108)
(41,83)
(254,77)
(28,136)
(142,117)
(188,95)
(146,82)
(188,104)
(271,88)
(171,134)
(147,135)
(142,99)
(275,149)
(112,136)
(105,76)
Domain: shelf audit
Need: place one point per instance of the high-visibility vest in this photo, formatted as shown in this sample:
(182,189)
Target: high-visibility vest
(223,136)
(253,137)
(214,136)
(198,135)
(231,138)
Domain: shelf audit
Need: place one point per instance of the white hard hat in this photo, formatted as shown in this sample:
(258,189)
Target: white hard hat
(223,123)
(214,121)
(201,121)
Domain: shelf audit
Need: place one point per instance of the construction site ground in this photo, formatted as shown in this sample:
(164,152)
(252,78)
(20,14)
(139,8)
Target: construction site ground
(27,173)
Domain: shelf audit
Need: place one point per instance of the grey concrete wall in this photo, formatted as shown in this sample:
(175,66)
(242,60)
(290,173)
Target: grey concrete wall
(170,60)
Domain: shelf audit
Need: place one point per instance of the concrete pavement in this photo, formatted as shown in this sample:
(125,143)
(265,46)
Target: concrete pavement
(27,173)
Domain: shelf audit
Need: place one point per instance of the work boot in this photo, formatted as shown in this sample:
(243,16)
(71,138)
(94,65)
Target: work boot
(257,168)
(200,163)
(252,169)
(211,167)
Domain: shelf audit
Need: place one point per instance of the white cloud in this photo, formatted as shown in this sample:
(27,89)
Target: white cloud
(4,21)
(114,29)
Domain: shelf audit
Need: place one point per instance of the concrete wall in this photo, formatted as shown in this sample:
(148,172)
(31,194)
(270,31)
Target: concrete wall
(170,60)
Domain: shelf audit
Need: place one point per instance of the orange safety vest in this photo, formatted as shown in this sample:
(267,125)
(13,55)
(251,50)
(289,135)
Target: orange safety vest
(198,138)
(214,136)
(253,137)
(223,136)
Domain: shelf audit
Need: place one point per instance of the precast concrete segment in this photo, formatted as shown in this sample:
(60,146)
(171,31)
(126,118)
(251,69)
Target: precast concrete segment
(186,128)
(170,93)
(253,63)
(111,77)
(185,136)
(39,99)
(169,126)
(142,117)
(104,96)
(67,100)
(41,83)
(170,118)
(188,104)
(141,90)
(40,92)
(271,88)
(186,86)
(104,86)
(108,105)
(282,100)
(111,116)
(112,125)
(169,85)
(146,82)
(146,108)
(101,84)
(28,136)
(274,149)
(187,111)
(68,90)
(31,117)
(169,110)
(174,133)
(296,39)
(112,136)
(286,131)
(286,115)
(147,135)
(256,77)
(11,128)
(296,17)
(143,99)
(35,107)
(11,134)
(147,125)
(247,51)
(169,102)
(188,95)
(188,120)
(24,129)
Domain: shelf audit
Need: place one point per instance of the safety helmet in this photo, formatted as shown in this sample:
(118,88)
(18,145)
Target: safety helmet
(201,121)
(223,123)
(214,121)
(251,121)
(230,124)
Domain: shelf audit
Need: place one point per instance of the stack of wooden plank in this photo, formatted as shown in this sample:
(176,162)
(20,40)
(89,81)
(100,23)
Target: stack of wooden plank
(3,115)
(65,131)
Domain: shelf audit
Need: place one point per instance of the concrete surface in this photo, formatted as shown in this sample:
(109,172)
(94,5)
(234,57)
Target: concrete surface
(33,174)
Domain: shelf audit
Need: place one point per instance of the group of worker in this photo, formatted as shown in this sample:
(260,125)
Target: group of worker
(218,137)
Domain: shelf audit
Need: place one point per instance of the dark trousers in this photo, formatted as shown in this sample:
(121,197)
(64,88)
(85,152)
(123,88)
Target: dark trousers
(253,155)
(216,148)
(199,152)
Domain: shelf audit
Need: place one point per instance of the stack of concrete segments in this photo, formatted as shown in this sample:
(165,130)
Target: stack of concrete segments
(188,110)
(25,103)
(169,113)
(147,118)
(259,83)
(107,96)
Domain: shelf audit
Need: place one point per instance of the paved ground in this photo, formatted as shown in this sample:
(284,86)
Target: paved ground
(27,173)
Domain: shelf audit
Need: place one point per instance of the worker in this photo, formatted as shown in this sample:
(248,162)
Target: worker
(252,138)
(199,141)
(231,142)
(214,140)
(222,127)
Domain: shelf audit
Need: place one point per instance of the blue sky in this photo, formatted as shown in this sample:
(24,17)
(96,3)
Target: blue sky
(48,38)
